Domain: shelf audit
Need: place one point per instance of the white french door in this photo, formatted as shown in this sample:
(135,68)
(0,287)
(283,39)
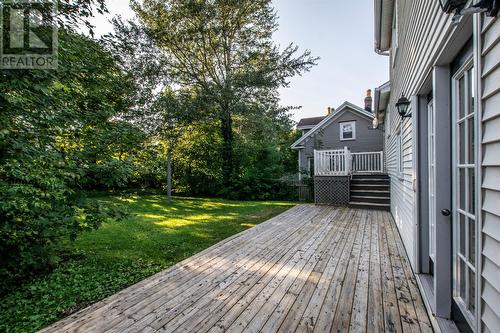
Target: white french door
(464,191)
(432,179)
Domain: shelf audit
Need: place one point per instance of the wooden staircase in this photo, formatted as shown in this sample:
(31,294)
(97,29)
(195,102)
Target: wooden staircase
(370,192)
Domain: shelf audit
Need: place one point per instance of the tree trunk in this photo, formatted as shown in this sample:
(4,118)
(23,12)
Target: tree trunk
(169,173)
(227,148)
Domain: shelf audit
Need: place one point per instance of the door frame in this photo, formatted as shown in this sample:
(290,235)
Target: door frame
(443,200)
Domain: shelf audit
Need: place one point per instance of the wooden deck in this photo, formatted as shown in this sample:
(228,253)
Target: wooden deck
(310,269)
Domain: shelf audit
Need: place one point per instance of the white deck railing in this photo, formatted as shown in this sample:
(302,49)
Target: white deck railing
(342,162)
(331,162)
(370,162)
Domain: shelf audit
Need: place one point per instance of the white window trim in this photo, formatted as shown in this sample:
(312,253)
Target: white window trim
(353,123)
(400,153)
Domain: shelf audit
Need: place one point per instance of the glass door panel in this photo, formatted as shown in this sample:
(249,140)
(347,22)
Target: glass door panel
(432,179)
(464,189)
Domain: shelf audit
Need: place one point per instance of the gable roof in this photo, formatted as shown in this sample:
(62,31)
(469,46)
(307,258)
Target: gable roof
(346,106)
(309,122)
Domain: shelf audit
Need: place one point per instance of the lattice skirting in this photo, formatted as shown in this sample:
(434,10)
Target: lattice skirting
(331,190)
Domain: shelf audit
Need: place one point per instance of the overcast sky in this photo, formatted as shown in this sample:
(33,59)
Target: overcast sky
(339,32)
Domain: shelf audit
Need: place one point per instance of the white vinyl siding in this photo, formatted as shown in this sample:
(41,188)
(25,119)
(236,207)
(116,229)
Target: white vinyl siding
(490,73)
(422,28)
(399,146)
(424,32)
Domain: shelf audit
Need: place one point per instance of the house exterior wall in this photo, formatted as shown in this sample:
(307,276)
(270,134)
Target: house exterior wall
(489,46)
(422,28)
(367,139)
(424,33)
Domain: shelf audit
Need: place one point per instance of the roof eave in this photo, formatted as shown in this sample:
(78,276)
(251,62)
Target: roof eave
(384,10)
(305,127)
(380,92)
(381,101)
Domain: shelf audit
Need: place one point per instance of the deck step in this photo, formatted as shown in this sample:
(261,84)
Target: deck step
(376,175)
(370,185)
(371,192)
(370,197)
(371,200)
(370,180)
(369,205)
(361,188)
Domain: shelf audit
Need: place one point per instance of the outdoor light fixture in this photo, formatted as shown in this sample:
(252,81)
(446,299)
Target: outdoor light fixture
(403,105)
(489,6)
(458,6)
(449,6)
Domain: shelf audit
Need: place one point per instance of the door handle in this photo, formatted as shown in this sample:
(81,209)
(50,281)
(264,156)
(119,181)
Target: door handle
(446,212)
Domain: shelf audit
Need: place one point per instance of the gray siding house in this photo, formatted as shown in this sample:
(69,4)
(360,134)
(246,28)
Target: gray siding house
(347,126)
(443,156)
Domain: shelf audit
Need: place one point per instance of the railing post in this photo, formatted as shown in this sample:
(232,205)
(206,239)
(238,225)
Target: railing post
(347,161)
(382,164)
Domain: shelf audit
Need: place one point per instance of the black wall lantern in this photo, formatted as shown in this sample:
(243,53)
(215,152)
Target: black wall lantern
(458,6)
(449,6)
(403,105)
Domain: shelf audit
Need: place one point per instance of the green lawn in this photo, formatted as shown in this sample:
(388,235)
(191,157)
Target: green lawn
(154,236)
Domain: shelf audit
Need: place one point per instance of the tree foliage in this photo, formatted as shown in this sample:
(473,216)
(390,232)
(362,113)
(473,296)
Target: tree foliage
(224,48)
(60,133)
(189,91)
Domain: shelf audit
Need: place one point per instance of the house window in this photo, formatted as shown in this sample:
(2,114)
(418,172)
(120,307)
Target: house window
(348,131)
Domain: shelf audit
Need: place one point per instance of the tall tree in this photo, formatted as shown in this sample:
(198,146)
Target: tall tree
(223,48)
(162,111)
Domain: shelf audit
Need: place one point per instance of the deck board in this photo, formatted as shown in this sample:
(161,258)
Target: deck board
(310,269)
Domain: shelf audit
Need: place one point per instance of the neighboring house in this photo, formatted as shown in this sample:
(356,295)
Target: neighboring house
(343,153)
(347,126)
(443,158)
(307,124)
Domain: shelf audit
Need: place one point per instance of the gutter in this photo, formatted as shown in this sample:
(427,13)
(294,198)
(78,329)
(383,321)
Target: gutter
(378,16)
(381,7)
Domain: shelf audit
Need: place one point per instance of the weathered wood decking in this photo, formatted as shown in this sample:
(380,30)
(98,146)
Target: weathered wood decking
(311,269)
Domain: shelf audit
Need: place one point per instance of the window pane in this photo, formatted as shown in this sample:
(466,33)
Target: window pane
(461,235)
(472,242)
(472,291)
(471,195)
(461,97)
(461,278)
(471,91)
(461,189)
(347,130)
(471,148)
(461,142)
